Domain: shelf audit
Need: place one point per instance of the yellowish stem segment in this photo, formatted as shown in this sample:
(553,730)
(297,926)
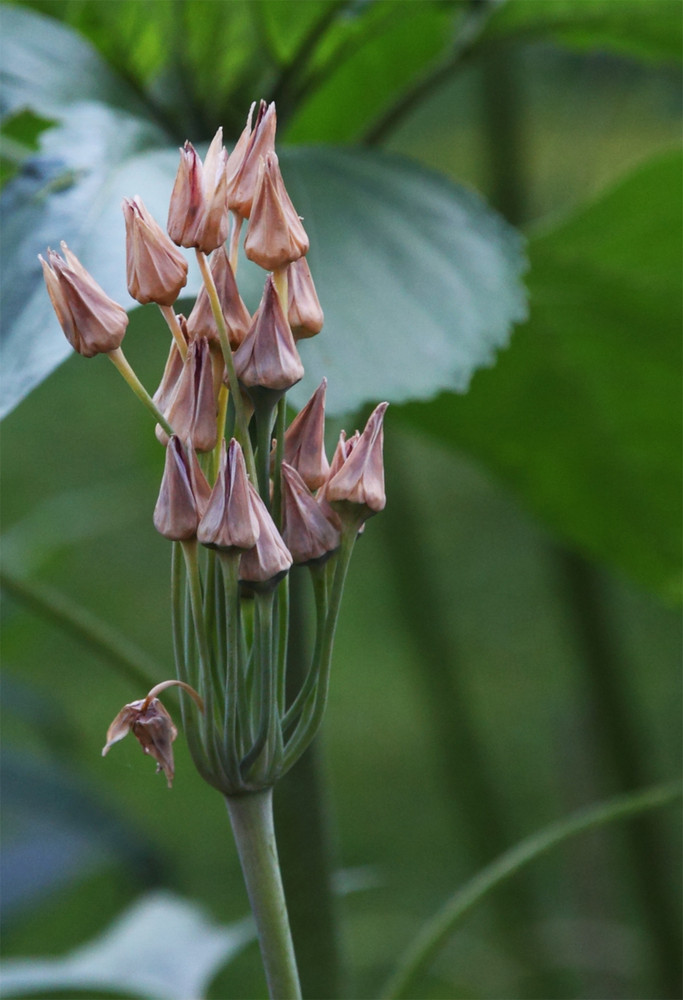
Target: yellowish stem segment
(119,360)
(174,326)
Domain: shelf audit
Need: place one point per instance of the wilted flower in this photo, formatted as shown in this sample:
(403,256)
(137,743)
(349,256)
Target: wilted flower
(151,725)
(93,323)
(360,480)
(243,162)
(268,356)
(264,565)
(198,212)
(303,307)
(229,521)
(306,532)
(183,495)
(305,440)
(275,236)
(201,322)
(156,270)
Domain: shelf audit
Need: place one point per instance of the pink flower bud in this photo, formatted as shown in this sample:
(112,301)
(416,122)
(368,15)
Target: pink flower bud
(264,565)
(275,236)
(156,269)
(243,162)
(229,521)
(306,532)
(360,480)
(92,322)
(183,495)
(305,441)
(198,212)
(201,323)
(192,411)
(303,309)
(268,356)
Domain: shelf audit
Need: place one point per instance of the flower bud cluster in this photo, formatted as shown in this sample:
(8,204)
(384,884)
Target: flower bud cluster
(242,506)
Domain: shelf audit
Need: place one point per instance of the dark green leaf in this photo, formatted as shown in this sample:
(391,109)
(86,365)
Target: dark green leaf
(582,414)
(650,31)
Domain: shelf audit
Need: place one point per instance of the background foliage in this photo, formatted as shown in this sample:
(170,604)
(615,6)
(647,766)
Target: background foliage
(510,643)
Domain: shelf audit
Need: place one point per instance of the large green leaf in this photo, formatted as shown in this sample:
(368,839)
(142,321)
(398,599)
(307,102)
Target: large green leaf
(582,414)
(649,31)
(163,948)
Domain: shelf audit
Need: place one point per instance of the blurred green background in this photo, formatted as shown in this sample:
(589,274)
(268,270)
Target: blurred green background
(509,647)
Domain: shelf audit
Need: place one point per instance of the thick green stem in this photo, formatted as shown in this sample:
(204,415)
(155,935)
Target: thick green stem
(251,816)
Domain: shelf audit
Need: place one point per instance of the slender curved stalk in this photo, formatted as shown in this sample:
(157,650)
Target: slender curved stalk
(120,362)
(82,625)
(251,816)
(441,926)
(263,635)
(168,312)
(232,737)
(310,720)
(318,578)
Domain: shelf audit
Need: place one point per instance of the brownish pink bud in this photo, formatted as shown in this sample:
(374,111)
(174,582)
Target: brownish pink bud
(305,441)
(229,521)
(183,495)
(198,212)
(360,480)
(192,412)
(303,309)
(153,728)
(172,372)
(156,270)
(275,236)
(306,532)
(93,323)
(243,162)
(268,356)
(264,565)
(201,323)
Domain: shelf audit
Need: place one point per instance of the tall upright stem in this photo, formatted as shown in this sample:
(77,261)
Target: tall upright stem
(251,816)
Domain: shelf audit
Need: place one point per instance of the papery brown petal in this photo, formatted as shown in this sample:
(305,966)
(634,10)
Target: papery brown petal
(122,724)
(155,731)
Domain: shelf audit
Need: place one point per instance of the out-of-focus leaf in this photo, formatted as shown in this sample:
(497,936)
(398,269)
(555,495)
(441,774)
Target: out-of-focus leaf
(403,259)
(46,67)
(582,414)
(650,31)
(163,947)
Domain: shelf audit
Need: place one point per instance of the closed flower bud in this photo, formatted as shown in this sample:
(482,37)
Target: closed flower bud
(93,323)
(360,480)
(306,532)
(268,356)
(153,728)
(198,212)
(192,411)
(264,565)
(243,162)
(172,371)
(303,309)
(229,521)
(156,270)
(275,236)
(201,323)
(183,495)
(305,441)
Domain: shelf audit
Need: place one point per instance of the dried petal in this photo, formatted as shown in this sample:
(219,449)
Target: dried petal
(152,726)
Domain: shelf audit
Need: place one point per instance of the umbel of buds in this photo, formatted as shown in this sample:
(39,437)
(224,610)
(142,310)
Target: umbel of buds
(244,499)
